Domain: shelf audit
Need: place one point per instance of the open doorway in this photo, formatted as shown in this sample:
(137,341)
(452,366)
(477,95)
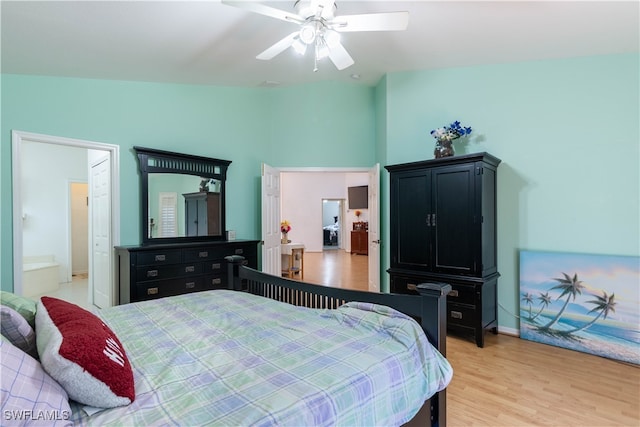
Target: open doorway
(331,224)
(43,166)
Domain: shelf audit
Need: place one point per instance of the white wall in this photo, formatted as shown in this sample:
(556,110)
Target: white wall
(301,203)
(47,170)
(79,228)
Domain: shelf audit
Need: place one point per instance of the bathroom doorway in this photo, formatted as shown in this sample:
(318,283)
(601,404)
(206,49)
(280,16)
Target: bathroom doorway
(332,224)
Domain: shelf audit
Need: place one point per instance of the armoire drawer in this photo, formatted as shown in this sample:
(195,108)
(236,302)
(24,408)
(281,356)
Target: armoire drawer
(463,294)
(461,315)
(408,285)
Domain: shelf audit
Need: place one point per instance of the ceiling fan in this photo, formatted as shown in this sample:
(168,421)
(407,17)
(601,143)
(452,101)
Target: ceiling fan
(320,28)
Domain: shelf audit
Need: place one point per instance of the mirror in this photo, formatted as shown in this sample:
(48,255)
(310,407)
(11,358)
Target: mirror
(182,197)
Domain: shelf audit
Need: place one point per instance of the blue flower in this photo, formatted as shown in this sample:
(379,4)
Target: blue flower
(451,132)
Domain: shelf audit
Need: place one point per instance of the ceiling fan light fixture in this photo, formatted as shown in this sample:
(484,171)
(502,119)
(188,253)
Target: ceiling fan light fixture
(299,47)
(308,33)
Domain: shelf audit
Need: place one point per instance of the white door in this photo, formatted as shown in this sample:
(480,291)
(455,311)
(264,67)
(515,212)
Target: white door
(271,262)
(374,229)
(100,214)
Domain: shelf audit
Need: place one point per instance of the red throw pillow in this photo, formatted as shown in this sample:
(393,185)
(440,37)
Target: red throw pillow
(83,354)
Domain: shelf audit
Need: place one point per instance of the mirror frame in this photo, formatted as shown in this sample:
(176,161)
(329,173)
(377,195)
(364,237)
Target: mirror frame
(158,161)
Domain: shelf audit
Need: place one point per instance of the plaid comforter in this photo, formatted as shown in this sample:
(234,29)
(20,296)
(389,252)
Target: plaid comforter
(234,359)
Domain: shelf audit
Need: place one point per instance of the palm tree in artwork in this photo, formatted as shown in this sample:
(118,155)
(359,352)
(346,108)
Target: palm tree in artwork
(528,298)
(545,300)
(570,287)
(605,304)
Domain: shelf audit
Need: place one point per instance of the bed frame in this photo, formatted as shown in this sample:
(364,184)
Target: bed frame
(428,308)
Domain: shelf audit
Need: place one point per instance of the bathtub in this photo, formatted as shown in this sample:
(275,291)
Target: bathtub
(39,275)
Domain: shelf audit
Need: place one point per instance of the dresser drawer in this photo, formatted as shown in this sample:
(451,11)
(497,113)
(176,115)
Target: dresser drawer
(168,271)
(463,294)
(215,267)
(159,257)
(204,254)
(215,282)
(166,288)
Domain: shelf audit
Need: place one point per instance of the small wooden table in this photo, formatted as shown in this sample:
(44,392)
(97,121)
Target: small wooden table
(292,260)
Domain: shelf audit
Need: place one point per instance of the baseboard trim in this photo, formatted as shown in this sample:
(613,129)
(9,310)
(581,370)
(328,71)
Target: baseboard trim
(509,331)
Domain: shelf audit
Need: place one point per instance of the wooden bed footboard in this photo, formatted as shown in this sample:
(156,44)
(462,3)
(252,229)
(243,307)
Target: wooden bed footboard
(428,308)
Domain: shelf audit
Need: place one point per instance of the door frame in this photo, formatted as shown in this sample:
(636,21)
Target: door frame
(375,283)
(113,152)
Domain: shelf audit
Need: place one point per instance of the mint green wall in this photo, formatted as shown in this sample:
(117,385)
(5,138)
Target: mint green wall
(329,125)
(245,125)
(567,132)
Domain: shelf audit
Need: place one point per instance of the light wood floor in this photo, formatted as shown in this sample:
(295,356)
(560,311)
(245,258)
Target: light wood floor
(513,382)
(337,268)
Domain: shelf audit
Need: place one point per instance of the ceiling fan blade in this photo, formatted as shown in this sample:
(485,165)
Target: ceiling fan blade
(265,10)
(340,57)
(388,21)
(279,47)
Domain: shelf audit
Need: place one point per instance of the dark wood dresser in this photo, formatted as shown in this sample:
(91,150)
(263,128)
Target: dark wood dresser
(443,229)
(360,242)
(155,271)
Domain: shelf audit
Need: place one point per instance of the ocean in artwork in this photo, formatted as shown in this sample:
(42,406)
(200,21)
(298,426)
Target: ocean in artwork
(584,302)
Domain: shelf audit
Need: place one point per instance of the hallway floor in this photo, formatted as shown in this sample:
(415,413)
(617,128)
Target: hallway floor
(75,291)
(337,268)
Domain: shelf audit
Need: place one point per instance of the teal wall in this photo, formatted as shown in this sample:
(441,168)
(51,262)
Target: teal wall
(566,130)
(323,124)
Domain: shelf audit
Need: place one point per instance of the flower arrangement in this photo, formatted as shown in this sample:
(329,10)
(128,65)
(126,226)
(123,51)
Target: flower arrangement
(451,132)
(444,138)
(285,227)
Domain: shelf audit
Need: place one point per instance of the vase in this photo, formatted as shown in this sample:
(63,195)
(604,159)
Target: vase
(284,239)
(443,149)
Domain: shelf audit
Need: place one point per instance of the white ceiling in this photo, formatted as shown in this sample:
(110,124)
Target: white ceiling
(205,42)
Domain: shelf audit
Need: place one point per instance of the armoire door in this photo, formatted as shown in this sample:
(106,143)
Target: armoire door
(455,219)
(410,220)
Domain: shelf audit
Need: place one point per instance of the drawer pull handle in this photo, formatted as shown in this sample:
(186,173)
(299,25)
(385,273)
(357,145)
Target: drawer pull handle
(203,254)
(456,315)
(152,273)
(239,251)
(412,286)
(215,266)
(161,258)
(216,281)
(189,269)
(152,291)
(453,293)
(190,285)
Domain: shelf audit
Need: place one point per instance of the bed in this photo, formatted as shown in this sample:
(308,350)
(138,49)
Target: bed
(274,351)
